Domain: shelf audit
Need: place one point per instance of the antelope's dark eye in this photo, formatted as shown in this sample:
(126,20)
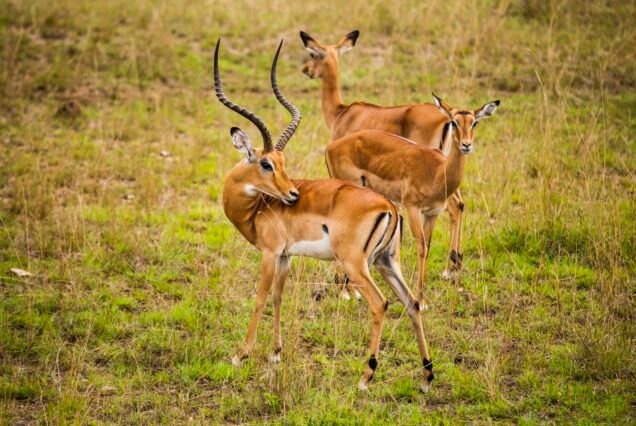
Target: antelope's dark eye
(266,166)
(475,124)
(454,123)
(313,55)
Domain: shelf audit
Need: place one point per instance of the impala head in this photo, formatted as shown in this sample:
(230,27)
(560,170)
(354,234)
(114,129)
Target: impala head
(263,169)
(464,121)
(322,56)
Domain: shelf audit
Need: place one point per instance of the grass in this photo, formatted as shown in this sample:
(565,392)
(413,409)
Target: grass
(141,289)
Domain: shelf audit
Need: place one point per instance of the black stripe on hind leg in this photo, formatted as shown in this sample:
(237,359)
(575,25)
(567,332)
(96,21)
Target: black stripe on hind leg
(375,226)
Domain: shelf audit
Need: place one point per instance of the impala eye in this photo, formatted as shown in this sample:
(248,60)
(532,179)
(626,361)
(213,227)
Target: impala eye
(454,123)
(313,55)
(475,123)
(266,166)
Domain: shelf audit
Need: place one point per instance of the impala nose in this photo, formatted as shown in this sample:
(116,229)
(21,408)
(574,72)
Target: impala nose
(292,198)
(307,71)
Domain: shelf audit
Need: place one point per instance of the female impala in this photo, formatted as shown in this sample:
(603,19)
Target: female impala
(326,219)
(417,177)
(422,123)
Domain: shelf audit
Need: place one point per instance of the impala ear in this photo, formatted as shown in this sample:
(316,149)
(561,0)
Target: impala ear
(242,143)
(347,42)
(443,106)
(487,110)
(311,45)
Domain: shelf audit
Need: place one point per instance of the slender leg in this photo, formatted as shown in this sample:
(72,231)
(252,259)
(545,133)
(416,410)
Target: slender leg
(361,280)
(268,267)
(455,257)
(279,286)
(342,283)
(415,222)
(429,224)
(388,264)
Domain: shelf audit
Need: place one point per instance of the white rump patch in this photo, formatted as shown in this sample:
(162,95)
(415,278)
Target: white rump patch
(320,249)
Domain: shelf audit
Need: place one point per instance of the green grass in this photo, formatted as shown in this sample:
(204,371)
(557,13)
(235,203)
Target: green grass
(142,290)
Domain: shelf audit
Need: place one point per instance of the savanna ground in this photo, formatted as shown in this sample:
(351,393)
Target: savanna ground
(113,153)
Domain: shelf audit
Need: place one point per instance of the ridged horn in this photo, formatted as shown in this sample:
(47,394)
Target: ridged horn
(296,116)
(218,88)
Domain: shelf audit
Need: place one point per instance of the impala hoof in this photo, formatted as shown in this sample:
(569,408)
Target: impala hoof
(450,274)
(421,305)
(363,385)
(357,294)
(345,295)
(425,388)
(274,358)
(236,361)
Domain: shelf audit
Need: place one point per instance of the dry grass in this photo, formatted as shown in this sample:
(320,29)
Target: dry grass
(141,289)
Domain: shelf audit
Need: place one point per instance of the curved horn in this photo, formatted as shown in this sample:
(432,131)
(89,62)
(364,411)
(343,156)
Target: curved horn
(218,88)
(296,116)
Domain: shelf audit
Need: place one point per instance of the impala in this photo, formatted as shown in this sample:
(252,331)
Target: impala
(412,175)
(424,124)
(326,219)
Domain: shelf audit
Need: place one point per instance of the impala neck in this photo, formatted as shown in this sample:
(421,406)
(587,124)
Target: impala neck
(331,100)
(453,171)
(240,207)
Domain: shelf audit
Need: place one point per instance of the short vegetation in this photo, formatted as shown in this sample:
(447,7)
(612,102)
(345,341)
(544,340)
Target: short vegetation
(113,151)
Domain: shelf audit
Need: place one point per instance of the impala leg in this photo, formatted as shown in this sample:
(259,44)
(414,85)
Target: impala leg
(388,264)
(415,223)
(429,224)
(455,256)
(361,280)
(342,283)
(268,267)
(279,286)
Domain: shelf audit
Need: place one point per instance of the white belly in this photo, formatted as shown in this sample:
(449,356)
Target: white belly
(320,249)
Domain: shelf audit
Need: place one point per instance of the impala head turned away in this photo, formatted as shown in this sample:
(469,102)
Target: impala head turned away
(264,169)
(463,122)
(331,220)
(324,55)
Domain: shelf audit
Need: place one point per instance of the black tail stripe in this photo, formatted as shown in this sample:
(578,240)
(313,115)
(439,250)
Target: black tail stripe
(377,223)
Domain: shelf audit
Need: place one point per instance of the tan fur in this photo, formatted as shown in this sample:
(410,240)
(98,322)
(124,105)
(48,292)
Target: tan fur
(349,214)
(419,178)
(329,219)
(421,123)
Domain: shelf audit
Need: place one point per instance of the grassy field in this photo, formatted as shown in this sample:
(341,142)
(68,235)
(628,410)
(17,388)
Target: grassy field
(113,151)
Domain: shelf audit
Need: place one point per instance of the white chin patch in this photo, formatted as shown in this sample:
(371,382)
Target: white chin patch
(250,190)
